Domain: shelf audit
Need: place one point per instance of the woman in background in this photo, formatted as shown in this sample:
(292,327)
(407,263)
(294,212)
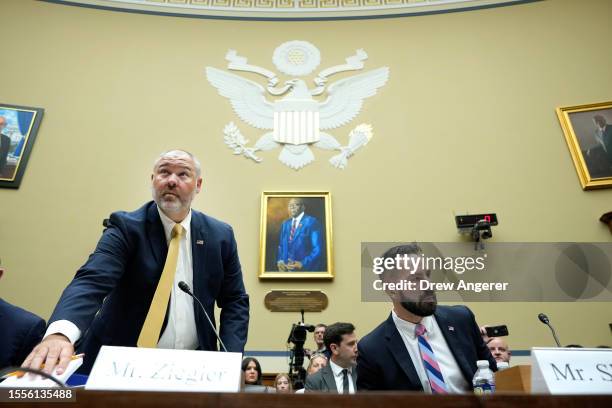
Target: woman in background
(282,383)
(317,362)
(252,371)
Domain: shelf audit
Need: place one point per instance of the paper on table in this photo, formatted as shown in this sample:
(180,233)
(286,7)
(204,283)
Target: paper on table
(36,381)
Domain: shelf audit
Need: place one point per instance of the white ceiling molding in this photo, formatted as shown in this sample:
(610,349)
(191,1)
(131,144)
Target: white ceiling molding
(291,9)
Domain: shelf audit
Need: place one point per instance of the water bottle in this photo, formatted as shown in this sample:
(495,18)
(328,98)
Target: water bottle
(484,381)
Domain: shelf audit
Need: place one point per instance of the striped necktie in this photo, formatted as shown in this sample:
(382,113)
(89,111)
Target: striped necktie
(151,329)
(293,228)
(436,380)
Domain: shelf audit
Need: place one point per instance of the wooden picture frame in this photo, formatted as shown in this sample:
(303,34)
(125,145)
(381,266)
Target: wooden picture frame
(18,129)
(588,132)
(296,236)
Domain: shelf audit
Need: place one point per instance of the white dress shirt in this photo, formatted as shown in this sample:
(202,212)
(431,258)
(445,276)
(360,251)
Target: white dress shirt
(337,370)
(455,383)
(180,331)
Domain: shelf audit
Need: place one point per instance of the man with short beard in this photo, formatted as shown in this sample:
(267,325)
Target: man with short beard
(421,346)
(126,294)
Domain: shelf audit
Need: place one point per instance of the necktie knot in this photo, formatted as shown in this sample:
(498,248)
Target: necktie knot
(177,230)
(420,329)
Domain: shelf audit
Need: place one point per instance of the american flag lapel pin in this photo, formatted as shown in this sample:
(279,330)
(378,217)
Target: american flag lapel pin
(451,328)
(200,242)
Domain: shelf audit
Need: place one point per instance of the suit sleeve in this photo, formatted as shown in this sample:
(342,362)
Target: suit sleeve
(281,253)
(311,261)
(233,301)
(32,337)
(368,376)
(482,350)
(313,382)
(83,297)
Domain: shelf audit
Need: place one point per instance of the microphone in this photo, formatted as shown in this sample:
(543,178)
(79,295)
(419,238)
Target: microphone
(185,288)
(544,319)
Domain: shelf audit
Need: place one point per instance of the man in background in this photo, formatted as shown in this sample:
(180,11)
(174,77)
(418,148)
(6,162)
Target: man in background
(318,334)
(21,331)
(300,241)
(339,375)
(499,349)
(127,292)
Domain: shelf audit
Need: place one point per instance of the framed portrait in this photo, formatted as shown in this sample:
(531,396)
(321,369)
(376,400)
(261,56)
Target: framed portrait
(588,132)
(18,129)
(296,236)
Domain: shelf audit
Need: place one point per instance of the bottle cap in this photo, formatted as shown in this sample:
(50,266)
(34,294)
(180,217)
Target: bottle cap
(482,363)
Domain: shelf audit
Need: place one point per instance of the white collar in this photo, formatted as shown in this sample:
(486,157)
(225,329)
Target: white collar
(298,218)
(409,327)
(336,369)
(169,224)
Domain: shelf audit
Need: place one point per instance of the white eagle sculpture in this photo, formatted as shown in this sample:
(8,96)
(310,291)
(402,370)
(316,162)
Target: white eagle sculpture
(297,120)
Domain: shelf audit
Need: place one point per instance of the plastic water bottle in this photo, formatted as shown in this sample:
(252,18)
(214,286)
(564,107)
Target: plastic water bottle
(484,381)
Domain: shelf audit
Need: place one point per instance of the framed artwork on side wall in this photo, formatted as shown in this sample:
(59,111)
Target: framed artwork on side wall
(18,129)
(296,236)
(588,132)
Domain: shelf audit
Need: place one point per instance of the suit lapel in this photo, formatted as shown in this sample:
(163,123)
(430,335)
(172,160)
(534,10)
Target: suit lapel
(445,323)
(157,236)
(199,241)
(400,352)
(328,379)
(299,228)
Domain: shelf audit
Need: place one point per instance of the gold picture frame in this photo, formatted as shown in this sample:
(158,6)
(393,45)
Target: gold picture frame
(296,235)
(588,132)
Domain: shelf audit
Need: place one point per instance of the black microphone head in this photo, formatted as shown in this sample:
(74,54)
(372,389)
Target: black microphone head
(543,318)
(184,287)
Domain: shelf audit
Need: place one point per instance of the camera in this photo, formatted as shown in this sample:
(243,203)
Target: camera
(481,231)
(297,336)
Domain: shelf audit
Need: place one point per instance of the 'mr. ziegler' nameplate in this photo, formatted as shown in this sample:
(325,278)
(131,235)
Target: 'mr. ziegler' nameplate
(571,370)
(143,369)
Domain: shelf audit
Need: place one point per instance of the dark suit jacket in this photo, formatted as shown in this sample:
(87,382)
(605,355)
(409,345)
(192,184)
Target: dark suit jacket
(306,245)
(110,295)
(323,381)
(384,363)
(5,146)
(21,331)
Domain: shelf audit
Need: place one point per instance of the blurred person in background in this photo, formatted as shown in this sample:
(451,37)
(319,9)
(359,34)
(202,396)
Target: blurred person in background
(282,384)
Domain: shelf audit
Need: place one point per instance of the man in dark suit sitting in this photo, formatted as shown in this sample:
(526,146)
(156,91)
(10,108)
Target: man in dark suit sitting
(126,294)
(339,375)
(21,331)
(421,346)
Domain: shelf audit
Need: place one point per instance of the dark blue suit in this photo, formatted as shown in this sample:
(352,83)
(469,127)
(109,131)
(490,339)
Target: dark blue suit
(384,363)
(306,245)
(120,278)
(21,331)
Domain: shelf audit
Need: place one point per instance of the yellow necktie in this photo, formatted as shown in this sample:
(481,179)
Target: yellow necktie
(149,334)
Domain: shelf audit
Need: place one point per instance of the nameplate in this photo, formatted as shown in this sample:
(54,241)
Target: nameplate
(144,369)
(571,371)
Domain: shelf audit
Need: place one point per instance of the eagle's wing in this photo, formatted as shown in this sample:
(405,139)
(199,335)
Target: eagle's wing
(346,97)
(247,97)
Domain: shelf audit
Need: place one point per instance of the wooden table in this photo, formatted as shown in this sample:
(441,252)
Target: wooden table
(110,399)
